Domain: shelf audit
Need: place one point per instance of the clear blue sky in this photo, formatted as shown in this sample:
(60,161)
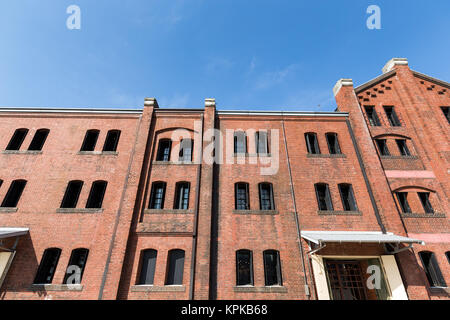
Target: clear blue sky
(248,54)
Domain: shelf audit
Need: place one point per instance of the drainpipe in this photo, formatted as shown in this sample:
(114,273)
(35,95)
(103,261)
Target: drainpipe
(299,239)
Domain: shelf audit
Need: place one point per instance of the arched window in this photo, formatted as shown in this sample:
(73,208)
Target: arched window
(164,148)
(382,147)
(402,198)
(241,196)
(90,140)
(148,266)
(72,194)
(112,140)
(75,268)
(272,268)
(347,197)
(48,265)
(17,139)
(333,143)
(266,196)
(38,140)
(323,197)
(14,193)
(244,267)
(240,142)
(181,195)
(157,195)
(432,269)
(95,199)
(175,267)
(312,144)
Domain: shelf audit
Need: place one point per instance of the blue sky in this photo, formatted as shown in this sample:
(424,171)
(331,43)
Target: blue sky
(248,54)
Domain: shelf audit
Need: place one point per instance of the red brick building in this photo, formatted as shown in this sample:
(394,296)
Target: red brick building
(208,204)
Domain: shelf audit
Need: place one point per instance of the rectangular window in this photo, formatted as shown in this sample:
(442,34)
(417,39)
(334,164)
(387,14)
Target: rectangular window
(323,197)
(17,139)
(148,266)
(240,142)
(241,196)
(348,198)
(38,140)
(95,199)
(175,267)
(392,116)
(14,193)
(90,140)
(185,153)
(402,198)
(157,195)
(47,267)
(164,150)
(333,143)
(372,116)
(425,200)
(432,270)
(75,268)
(182,196)
(312,144)
(382,147)
(72,194)
(266,196)
(446,112)
(262,144)
(272,268)
(402,147)
(244,268)
(112,140)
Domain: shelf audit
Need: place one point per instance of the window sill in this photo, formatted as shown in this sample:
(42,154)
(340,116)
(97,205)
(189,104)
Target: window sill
(75,210)
(338,213)
(266,289)
(57,287)
(256,212)
(8,210)
(152,288)
(259,155)
(98,153)
(400,157)
(22,151)
(327,155)
(423,215)
(440,290)
(168,211)
(166,163)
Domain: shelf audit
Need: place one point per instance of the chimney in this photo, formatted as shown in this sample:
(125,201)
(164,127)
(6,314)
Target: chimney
(394,62)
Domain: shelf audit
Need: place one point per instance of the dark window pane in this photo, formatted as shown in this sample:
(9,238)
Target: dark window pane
(348,198)
(185,153)
(392,116)
(90,140)
(425,200)
(112,140)
(311,143)
(47,266)
(96,195)
(175,267)
(323,197)
(402,147)
(38,140)
(266,196)
(78,259)
(262,144)
(157,195)
(244,268)
(13,195)
(333,143)
(240,142)
(382,147)
(17,139)
(241,196)
(272,268)
(446,112)
(182,196)
(403,201)
(72,194)
(372,116)
(432,269)
(164,150)
(148,266)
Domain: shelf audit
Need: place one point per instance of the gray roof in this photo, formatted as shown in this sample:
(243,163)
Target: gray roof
(356,236)
(12,232)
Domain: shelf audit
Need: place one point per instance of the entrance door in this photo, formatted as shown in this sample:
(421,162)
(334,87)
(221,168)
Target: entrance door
(345,280)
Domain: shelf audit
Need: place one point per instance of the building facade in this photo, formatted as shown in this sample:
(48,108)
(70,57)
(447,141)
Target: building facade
(208,204)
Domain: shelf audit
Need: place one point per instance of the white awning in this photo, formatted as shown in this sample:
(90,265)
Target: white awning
(356,236)
(12,232)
